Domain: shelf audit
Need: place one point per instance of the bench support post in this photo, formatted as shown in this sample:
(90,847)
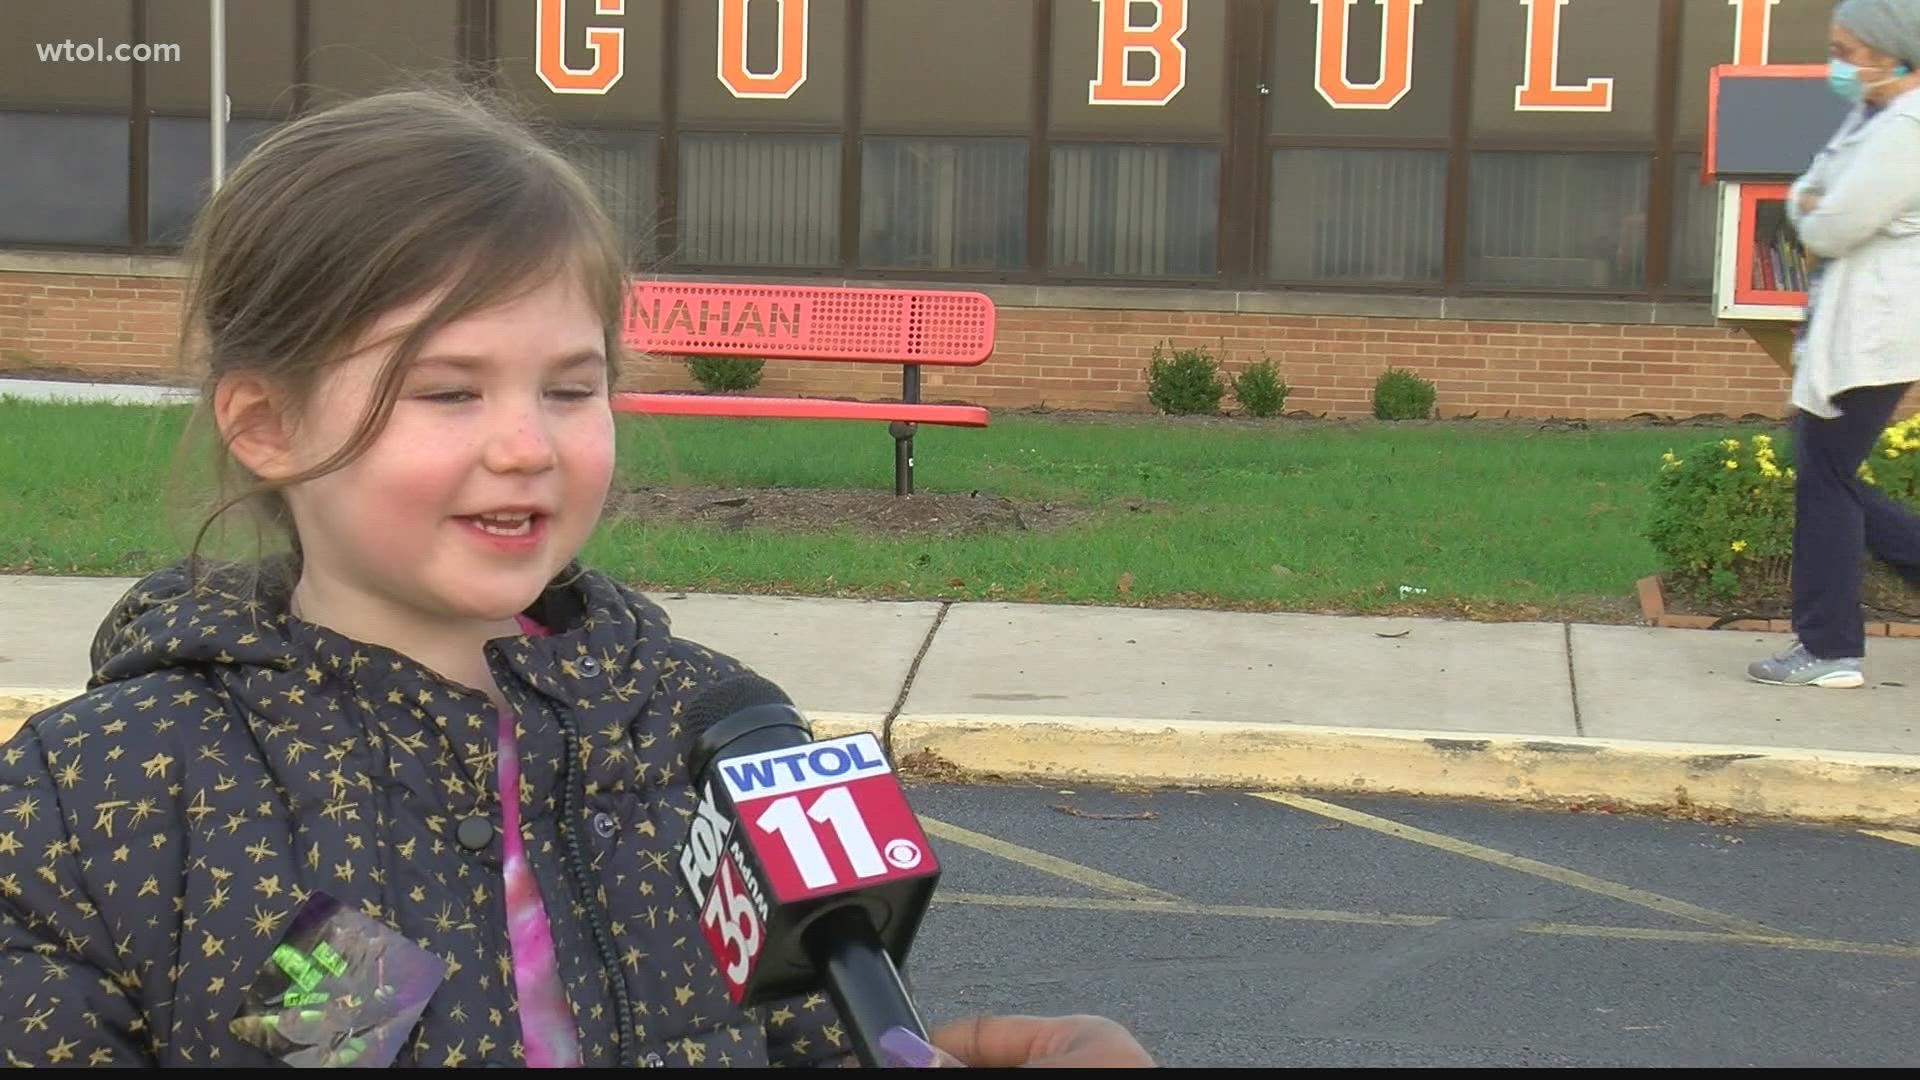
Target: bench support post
(902,432)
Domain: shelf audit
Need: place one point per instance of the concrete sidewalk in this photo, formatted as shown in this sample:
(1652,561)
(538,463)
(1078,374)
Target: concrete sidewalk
(1520,711)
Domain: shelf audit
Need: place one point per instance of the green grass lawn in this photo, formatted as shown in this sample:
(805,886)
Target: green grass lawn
(1495,520)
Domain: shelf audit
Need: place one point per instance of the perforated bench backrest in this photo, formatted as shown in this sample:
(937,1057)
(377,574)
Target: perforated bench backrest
(895,326)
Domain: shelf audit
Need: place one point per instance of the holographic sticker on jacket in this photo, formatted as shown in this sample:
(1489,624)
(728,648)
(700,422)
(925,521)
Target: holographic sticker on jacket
(340,990)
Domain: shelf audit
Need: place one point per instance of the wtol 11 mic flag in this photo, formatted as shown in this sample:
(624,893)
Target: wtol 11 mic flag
(808,866)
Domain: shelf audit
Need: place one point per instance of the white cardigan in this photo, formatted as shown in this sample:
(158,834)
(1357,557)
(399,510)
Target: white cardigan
(1863,328)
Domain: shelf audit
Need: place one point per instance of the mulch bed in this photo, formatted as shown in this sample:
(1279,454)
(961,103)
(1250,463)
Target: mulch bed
(1889,607)
(876,512)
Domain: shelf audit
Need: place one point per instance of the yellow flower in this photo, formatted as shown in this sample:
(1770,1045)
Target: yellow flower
(1732,464)
(1739,545)
(1730,445)
(1762,442)
(1892,452)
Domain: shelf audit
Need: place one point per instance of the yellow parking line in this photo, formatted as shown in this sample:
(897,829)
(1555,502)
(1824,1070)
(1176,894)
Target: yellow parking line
(1373,918)
(1714,937)
(1183,907)
(1652,901)
(1898,836)
(1040,860)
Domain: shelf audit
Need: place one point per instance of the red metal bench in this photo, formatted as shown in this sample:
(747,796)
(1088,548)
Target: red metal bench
(909,327)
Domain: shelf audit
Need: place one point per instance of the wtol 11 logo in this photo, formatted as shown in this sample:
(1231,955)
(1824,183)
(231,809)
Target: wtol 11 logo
(839,790)
(780,833)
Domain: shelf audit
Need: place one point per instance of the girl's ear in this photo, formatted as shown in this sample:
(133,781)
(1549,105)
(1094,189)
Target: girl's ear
(249,416)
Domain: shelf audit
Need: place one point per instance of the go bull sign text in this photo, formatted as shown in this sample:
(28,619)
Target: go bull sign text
(1127,29)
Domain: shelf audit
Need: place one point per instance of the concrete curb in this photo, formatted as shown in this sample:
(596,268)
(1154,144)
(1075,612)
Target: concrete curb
(1774,782)
(18,704)
(1807,785)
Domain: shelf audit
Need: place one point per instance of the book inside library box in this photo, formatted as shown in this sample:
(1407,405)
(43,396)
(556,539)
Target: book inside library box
(1776,268)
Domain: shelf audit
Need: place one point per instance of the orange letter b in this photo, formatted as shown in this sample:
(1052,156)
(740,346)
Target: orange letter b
(1119,40)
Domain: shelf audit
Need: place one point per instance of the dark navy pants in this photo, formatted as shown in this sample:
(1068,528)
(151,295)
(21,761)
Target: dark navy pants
(1838,517)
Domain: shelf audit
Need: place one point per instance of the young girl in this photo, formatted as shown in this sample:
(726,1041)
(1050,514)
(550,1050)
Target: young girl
(409,793)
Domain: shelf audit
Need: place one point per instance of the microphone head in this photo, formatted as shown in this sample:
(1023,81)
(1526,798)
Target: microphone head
(729,696)
(788,831)
(741,715)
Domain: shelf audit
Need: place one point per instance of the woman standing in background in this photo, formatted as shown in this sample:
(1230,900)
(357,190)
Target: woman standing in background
(1857,211)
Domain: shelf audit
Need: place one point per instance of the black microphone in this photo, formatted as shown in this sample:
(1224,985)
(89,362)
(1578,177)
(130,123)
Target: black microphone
(810,869)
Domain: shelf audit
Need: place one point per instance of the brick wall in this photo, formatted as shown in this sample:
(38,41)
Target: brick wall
(1083,358)
(109,325)
(1079,358)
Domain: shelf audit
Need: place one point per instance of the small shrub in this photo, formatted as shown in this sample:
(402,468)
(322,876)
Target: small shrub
(1260,390)
(1402,395)
(723,373)
(1722,518)
(1184,382)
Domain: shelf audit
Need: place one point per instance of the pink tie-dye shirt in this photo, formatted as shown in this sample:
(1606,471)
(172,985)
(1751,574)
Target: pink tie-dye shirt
(548,1035)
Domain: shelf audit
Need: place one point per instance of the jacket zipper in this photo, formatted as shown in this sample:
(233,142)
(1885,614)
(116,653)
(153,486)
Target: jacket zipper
(580,877)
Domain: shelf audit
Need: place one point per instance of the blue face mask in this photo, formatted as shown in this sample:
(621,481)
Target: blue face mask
(1844,78)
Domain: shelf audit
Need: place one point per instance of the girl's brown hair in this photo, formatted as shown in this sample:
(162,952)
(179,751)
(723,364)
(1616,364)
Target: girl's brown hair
(347,213)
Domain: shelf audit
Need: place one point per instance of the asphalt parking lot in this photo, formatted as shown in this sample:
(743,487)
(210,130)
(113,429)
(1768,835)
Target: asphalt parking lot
(1270,928)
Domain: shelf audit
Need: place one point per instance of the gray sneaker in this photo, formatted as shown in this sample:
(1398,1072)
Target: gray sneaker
(1798,667)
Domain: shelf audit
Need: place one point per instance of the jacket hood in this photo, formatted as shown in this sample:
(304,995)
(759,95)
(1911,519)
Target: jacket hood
(165,621)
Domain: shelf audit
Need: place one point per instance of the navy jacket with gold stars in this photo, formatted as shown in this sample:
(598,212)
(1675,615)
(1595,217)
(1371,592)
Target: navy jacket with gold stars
(229,764)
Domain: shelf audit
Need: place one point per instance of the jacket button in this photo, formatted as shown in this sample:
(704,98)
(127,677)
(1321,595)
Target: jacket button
(604,824)
(588,667)
(474,833)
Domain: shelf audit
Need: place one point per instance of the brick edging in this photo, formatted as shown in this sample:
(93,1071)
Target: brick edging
(1653,607)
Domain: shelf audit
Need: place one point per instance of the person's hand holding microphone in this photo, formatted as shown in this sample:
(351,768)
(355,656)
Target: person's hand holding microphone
(1030,1042)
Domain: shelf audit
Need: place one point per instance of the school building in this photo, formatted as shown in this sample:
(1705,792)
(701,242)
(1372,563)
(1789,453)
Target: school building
(1503,195)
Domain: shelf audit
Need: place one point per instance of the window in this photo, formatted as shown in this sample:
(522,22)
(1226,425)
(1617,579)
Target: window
(260,76)
(65,181)
(1563,131)
(259,67)
(1357,215)
(753,191)
(1133,211)
(71,84)
(939,67)
(943,204)
(760,200)
(1557,220)
(179,167)
(1121,206)
(361,47)
(946,111)
(63,125)
(1695,209)
(621,165)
